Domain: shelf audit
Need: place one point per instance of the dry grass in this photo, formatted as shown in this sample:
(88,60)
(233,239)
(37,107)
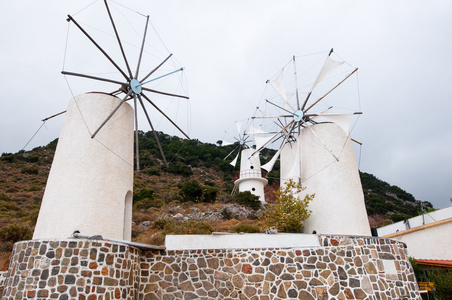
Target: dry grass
(4,260)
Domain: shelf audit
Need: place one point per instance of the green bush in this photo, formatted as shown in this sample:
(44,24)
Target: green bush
(152,172)
(246,228)
(290,208)
(14,233)
(143,194)
(147,203)
(169,226)
(7,157)
(4,197)
(30,170)
(196,227)
(248,199)
(209,194)
(443,285)
(191,191)
(396,217)
(180,169)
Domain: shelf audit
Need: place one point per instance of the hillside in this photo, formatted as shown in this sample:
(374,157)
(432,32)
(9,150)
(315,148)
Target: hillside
(191,196)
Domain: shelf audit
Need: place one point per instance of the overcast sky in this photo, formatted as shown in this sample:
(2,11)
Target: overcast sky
(229,50)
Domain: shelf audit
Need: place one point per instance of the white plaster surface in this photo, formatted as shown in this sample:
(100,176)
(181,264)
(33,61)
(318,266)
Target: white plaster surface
(433,242)
(250,178)
(241,241)
(389,266)
(431,217)
(328,168)
(90,178)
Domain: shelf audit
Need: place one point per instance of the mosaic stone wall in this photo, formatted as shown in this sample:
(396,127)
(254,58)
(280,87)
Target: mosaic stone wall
(343,268)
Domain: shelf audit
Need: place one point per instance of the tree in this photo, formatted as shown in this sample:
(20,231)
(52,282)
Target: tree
(290,209)
(248,199)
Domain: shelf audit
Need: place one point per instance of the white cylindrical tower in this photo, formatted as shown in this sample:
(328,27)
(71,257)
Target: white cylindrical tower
(328,168)
(250,178)
(90,184)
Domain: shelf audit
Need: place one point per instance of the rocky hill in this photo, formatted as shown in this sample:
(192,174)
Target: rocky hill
(191,196)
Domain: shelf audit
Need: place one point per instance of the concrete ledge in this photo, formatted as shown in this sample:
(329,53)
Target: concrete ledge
(241,241)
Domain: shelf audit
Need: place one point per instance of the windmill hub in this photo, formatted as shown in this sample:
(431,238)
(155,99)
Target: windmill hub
(135,85)
(298,116)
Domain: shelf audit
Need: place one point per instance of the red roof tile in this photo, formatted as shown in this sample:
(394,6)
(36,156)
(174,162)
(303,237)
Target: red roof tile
(435,262)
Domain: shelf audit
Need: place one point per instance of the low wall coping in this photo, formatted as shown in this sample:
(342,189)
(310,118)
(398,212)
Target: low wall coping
(241,241)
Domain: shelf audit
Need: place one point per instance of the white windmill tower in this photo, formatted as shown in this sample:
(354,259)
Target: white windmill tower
(90,185)
(250,176)
(316,150)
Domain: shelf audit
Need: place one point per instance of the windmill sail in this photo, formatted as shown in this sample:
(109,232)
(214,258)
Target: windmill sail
(343,120)
(269,166)
(278,85)
(328,67)
(234,162)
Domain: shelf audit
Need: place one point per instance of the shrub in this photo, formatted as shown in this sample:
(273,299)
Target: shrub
(13,233)
(248,199)
(169,226)
(396,217)
(7,157)
(246,228)
(4,197)
(191,191)
(443,285)
(196,227)
(143,194)
(31,171)
(226,214)
(290,209)
(147,203)
(180,168)
(210,194)
(151,172)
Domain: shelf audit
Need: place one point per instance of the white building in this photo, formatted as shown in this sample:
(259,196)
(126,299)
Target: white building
(250,176)
(90,184)
(322,159)
(428,236)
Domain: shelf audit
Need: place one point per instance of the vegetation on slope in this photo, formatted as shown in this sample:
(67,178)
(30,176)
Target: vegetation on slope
(191,196)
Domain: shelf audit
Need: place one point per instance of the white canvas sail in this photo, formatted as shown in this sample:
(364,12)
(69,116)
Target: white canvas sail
(278,85)
(329,66)
(252,130)
(226,143)
(234,162)
(343,120)
(269,166)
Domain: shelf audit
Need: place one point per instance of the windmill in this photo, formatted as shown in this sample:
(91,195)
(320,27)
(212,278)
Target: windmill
(315,145)
(133,85)
(250,177)
(90,185)
(290,118)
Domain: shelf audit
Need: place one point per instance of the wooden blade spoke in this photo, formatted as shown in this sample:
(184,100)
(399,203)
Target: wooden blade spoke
(137,156)
(93,77)
(153,131)
(163,93)
(279,106)
(155,69)
(275,135)
(98,47)
(119,40)
(142,47)
(111,114)
(231,152)
(321,98)
(306,101)
(168,118)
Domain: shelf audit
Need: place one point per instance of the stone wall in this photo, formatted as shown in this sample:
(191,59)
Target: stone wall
(342,268)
